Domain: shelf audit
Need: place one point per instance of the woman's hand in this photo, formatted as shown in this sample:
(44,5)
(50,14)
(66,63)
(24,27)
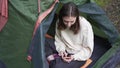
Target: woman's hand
(68,58)
(29,58)
(63,54)
(65,57)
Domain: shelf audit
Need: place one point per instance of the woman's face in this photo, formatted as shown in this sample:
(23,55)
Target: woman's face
(69,21)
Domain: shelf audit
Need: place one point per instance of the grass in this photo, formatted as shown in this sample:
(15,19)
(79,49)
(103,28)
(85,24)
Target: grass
(102,3)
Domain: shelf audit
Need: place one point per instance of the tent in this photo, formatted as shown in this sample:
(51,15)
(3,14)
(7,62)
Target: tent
(15,38)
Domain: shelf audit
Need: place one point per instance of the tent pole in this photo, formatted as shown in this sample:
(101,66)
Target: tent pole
(39,7)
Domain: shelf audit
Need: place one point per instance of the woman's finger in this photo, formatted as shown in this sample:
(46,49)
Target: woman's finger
(65,54)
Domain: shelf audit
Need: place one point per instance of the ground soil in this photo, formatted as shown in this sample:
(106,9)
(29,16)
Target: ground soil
(113,11)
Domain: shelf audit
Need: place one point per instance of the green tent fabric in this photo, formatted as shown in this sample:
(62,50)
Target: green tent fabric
(36,49)
(16,36)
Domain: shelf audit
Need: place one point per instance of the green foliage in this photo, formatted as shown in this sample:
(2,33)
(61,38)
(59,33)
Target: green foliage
(77,2)
(102,2)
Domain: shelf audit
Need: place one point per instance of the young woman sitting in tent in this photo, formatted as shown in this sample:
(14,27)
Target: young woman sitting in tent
(76,32)
(105,35)
(73,43)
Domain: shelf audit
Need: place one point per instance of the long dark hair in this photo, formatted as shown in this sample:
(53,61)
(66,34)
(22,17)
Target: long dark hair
(69,9)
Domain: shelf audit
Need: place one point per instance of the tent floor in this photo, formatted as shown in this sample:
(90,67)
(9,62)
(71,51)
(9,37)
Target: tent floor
(100,47)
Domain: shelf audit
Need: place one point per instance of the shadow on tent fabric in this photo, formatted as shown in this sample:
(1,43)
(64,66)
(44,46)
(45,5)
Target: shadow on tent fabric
(100,47)
(2,65)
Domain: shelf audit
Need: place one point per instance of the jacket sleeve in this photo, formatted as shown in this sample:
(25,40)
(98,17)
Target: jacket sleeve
(87,42)
(60,46)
